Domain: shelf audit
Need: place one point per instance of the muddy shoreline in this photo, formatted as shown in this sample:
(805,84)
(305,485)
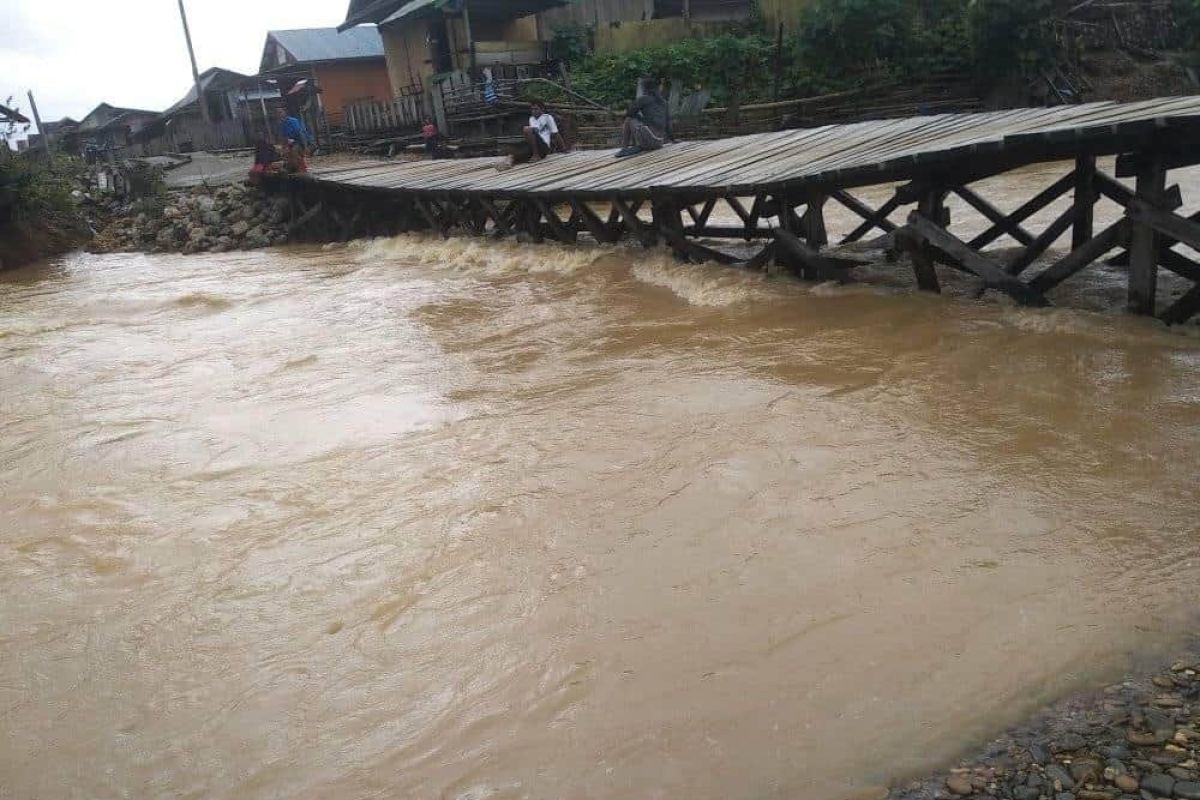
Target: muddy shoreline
(1137,739)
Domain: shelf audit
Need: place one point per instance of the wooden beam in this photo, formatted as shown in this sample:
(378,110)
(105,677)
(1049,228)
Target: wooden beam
(878,219)
(931,208)
(955,249)
(1143,242)
(762,258)
(595,226)
(561,232)
(994,215)
(805,259)
(1184,308)
(1115,235)
(863,210)
(631,222)
(694,251)
(500,223)
(1027,210)
(1179,228)
(1042,243)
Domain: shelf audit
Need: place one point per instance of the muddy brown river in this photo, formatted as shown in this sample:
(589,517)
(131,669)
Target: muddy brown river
(467,520)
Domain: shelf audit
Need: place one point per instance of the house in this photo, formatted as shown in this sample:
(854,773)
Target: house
(620,25)
(108,127)
(238,114)
(62,133)
(342,69)
(424,38)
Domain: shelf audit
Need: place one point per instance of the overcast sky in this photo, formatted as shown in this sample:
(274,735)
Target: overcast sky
(75,54)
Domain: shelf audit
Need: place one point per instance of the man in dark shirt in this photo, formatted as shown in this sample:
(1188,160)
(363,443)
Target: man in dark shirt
(647,122)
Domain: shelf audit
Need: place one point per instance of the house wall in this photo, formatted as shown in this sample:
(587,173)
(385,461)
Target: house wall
(347,83)
(407,53)
(602,14)
(597,13)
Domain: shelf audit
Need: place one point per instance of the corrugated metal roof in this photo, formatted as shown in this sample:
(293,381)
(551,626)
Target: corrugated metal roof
(211,78)
(326,44)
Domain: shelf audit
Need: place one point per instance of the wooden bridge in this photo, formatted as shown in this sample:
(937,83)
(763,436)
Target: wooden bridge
(777,186)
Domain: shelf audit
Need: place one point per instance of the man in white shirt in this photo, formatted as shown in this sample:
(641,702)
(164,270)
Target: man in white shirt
(542,133)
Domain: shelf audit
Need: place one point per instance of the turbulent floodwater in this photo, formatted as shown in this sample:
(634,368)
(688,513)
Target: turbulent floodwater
(432,519)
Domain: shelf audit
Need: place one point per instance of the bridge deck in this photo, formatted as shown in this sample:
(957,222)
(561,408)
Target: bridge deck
(843,155)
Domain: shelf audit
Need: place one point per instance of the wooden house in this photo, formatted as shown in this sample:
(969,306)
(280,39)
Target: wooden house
(108,127)
(238,113)
(341,69)
(424,38)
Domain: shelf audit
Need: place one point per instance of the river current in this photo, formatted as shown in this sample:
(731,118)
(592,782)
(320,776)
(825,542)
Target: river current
(416,518)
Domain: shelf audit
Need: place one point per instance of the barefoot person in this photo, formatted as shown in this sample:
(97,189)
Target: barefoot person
(647,122)
(542,132)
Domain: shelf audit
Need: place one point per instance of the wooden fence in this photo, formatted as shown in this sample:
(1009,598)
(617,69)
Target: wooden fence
(405,112)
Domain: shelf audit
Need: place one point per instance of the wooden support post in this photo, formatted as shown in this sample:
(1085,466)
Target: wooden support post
(814,222)
(1143,241)
(931,236)
(932,207)
(1085,200)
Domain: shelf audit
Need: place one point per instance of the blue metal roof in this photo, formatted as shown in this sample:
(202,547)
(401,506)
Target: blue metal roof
(326,44)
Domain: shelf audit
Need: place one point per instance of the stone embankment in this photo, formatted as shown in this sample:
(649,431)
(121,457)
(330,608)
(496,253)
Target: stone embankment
(1137,740)
(200,220)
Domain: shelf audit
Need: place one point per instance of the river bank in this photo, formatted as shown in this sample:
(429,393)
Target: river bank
(1136,739)
(192,220)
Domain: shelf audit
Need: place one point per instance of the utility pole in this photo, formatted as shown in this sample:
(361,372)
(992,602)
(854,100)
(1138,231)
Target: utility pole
(37,118)
(187,34)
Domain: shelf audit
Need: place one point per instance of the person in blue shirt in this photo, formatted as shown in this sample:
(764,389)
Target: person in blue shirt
(297,140)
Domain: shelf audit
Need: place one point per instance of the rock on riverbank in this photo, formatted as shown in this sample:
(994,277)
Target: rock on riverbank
(1137,740)
(197,220)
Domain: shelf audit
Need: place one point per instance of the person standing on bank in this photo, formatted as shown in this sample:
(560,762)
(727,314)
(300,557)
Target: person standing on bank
(542,132)
(297,140)
(647,122)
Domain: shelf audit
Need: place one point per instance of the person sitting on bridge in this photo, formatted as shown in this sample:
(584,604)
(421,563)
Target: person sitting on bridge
(542,132)
(297,140)
(647,122)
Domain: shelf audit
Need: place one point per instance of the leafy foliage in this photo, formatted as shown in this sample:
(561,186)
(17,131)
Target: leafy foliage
(33,190)
(1011,36)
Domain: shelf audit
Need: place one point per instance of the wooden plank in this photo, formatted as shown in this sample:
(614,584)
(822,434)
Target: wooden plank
(1115,235)
(974,262)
